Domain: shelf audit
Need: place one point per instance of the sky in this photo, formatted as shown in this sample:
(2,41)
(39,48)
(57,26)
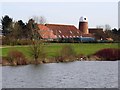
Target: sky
(119,15)
(98,13)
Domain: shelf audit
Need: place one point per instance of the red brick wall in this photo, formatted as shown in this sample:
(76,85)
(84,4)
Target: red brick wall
(83,26)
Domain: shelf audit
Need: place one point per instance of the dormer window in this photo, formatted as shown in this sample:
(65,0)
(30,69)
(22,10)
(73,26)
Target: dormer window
(59,31)
(71,32)
(59,36)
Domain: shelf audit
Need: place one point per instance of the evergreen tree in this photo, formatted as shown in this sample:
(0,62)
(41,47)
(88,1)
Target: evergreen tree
(6,25)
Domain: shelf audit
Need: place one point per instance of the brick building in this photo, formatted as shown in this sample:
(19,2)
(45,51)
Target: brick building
(52,32)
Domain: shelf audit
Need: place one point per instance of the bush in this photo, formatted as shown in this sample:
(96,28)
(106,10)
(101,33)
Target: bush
(11,41)
(109,54)
(16,58)
(24,42)
(5,41)
(66,53)
(67,50)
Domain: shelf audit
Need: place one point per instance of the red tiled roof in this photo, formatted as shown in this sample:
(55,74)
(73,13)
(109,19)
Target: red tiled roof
(60,31)
(64,31)
(42,27)
(45,32)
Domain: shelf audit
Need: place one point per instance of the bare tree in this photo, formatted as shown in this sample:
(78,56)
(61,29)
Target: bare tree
(107,27)
(39,20)
(36,47)
(36,50)
(99,26)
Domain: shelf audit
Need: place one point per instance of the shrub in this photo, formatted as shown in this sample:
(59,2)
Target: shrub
(66,53)
(5,41)
(23,42)
(16,57)
(109,54)
(9,41)
(67,50)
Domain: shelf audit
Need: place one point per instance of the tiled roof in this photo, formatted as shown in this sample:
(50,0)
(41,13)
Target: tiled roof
(64,31)
(60,31)
(42,27)
(45,32)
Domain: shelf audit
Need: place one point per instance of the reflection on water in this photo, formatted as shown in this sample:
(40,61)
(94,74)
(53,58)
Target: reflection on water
(83,74)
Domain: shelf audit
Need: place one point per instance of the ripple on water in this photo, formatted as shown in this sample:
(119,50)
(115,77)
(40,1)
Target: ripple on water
(62,75)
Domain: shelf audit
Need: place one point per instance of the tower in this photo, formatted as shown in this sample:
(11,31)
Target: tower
(83,25)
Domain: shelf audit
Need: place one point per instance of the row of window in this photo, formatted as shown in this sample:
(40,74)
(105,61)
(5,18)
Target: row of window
(62,36)
(60,31)
(70,32)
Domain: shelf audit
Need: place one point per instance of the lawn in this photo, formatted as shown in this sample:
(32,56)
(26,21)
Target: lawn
(52,48)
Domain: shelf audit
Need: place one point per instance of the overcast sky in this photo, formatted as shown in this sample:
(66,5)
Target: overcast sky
(119,15)
(98,13)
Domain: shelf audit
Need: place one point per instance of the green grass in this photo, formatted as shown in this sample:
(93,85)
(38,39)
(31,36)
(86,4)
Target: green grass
(52,48)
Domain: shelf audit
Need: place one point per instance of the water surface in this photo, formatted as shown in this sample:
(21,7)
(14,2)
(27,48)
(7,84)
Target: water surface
(79,74)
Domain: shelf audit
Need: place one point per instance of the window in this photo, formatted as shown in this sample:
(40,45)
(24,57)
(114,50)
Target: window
(84,18)
(71,32)
(59,36)
(59,31)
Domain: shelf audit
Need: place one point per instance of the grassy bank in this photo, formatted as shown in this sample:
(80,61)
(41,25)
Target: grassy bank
(52,48)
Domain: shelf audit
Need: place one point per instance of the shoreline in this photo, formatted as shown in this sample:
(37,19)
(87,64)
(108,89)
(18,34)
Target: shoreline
(33,63)
(65,54)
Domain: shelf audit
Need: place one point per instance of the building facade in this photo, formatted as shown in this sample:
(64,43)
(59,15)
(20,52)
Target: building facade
(59,32)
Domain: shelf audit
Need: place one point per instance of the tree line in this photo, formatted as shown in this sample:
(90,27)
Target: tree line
(114,34)
(109,33)
(18,30)
(14,31)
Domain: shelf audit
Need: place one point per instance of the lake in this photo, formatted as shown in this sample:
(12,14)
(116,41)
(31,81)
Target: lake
(79,74)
